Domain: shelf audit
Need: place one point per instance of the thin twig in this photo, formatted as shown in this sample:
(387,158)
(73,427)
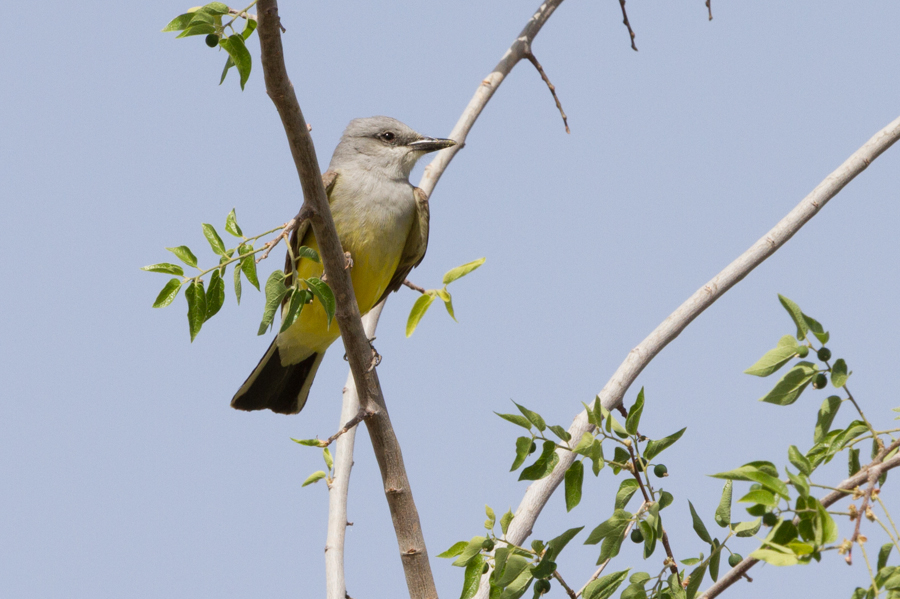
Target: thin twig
(360,415)
(413,286)
(285,233)
(405,517)
(647,499)
(562,582)
(539,492)
(533,59)
(627,24)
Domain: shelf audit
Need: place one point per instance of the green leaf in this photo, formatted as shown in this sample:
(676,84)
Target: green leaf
(295,302)
(791,385)
(215,295)
(491,518)
(165,267)
(760,497)
(560,432)
(228,64)
(883,555)
(326,455)
(774,359)
(584,445)
(654,448)
(523,447)
(197,28)
(184,254)
(574,478)
(237,281)
(544,464)
(516,419)
(418,311)
(517,587)
(557,544)
(800,483)
(665,499)
(634,414)
(308,442)
(696,578)
(472,549)
(215,8)
(231,224)
(615,526)
(505,520)
(196,300)
(472,577)
(826,416)
(461,271)
(839,373)
(796,315)
(248,264)
(799,460)
(776,558)
(816,329)
(168,293)
(314,478)
(215,242)
(853,461)
(605,586)
(699,527)
(237,50)
(533,417)
(179,22)
(649,533)
(596,457)
(754,474)
(746,529)
(248,29)
(448,302)
(454,550)
(275,292)
(324,294)
(715,555)
(723,512)
(308,253)
(627,489)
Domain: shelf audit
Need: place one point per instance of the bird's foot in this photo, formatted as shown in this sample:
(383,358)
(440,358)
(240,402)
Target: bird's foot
(349,260)
(376,357)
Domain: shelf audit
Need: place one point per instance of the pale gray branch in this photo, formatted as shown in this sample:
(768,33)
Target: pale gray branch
(539,492)
(340,486)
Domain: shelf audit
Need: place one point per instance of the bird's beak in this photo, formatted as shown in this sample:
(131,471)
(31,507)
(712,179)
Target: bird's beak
(431,144)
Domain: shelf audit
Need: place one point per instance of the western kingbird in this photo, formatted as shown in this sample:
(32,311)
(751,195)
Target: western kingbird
(381,220)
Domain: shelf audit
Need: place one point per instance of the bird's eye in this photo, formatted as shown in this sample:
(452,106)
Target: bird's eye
(387,136)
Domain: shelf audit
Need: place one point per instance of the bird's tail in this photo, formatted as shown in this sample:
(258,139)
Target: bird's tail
(282,389)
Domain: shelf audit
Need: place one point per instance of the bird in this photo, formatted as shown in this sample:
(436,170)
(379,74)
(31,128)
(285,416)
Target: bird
(382,221)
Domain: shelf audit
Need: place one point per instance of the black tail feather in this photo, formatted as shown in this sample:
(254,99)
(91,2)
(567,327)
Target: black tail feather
(282,389)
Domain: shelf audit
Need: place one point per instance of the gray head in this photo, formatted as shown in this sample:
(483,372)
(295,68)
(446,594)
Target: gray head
(383,145)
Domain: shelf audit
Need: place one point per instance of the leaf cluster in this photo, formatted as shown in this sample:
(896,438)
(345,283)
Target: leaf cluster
(425,300)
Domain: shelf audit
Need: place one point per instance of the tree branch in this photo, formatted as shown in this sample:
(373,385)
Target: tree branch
(335,580)
(539,492)
(359,353)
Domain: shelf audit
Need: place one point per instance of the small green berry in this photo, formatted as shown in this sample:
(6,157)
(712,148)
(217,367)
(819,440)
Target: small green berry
(485,568)
(770,519)
(802,351)
(542,587)
(660,470)
(488,545)
(533,447)
(824,354)
(636,535)
(734,559)
(212,40)
(820,381)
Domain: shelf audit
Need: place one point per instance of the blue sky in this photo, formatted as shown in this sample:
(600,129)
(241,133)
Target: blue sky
(125,472)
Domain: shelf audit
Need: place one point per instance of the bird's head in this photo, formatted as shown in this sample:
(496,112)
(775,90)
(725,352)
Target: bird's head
(380,143)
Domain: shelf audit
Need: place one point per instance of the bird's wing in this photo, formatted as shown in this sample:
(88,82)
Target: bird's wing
(301,226)
(416,244)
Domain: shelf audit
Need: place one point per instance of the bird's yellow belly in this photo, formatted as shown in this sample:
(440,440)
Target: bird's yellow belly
(374,264)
